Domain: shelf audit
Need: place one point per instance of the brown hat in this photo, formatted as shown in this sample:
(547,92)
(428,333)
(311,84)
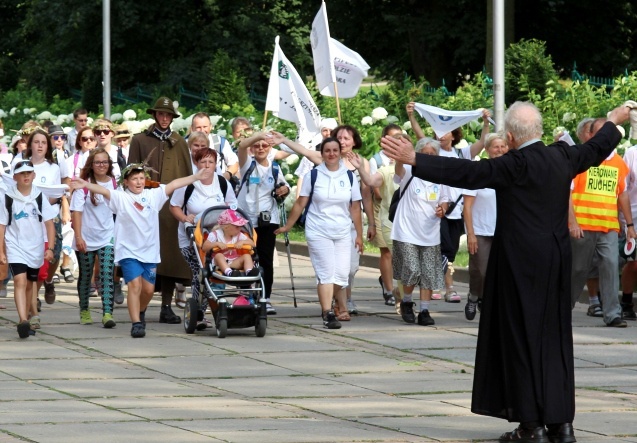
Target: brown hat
(163,104)
(122,131)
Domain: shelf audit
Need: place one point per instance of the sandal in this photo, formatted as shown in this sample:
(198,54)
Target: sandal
(436,296)
(389,299)
(343,316)
(180,296)
(67,274)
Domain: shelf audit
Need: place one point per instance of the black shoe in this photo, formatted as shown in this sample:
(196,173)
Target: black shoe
(236,273)
(330,321)
(49,293)
(424,319)
(470,309)
(389,299)
(142,318)
(562,433)
(595,311)
(523,435)
(407,311)
(617,323)
(166,315)
(253,272)
(627,312)
(138,330)
(23,329)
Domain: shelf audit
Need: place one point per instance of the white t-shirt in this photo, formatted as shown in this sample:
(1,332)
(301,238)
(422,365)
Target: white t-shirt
(25,237)
(328,215)
(454,193)
(484,211)
(113,155)
(137,223)
(229,157)
(76,162)
(47,174)
(202,197)
(415,221)
(255,195)
(304,167)
(64,169)
(97,221)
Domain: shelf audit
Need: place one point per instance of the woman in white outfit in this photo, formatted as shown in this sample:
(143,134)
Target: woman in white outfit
(335,204)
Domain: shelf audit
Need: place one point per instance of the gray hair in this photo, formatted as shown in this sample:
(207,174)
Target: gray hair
(428,141)
(494,136)
(583,127)
(524,121)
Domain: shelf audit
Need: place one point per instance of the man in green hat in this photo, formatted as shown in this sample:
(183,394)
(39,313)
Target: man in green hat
(167,153)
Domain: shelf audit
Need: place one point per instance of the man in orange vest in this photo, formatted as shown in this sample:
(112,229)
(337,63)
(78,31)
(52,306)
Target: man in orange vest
(594,228)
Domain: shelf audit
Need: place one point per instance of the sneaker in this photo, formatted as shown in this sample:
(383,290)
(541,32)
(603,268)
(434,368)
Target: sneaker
(23,329)
(142,318)
(351,307)
(107,321)
(470,309)
(204,324)
(627,312)
(35,322)
(138,330)
(93,292)
(166,315)
(118,295)
(49,293)
(407,311)
(253,272)
(452,297)
(424,319)
(595,311)
(269,309)
(617,323)
(85,317)
(236,273)
(330,321)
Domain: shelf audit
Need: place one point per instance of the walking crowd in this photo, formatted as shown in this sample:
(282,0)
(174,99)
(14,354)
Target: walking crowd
(524,208)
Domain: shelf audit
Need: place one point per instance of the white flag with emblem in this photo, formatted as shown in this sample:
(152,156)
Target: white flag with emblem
(289,99)
(443,121)
(350,70)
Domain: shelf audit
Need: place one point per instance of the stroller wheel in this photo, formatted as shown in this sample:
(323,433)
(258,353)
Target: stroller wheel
(260,327)
(222,327)
(191,312)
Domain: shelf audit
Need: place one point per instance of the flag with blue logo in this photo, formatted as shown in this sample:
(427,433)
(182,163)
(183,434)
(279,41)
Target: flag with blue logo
(443,121)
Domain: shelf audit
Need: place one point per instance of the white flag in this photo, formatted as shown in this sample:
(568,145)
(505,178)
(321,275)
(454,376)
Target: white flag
(350,70)
(289,99)
(321,50)
(443,121)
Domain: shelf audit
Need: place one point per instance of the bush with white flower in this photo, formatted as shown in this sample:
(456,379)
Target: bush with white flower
(367,121)
(379,113)
(129,114)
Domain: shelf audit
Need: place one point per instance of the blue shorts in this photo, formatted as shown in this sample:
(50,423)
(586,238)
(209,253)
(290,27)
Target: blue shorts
(132,268)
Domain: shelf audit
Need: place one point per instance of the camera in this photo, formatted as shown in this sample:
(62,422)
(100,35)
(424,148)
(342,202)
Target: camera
(279,198)
(264,219)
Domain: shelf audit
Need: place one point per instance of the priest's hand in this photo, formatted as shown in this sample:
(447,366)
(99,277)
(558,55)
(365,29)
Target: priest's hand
(399,149)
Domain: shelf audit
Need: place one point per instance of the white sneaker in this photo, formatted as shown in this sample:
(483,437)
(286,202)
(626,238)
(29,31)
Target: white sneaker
(351,307)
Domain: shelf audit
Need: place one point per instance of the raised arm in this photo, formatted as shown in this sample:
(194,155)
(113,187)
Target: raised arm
(415,126)
(244,145)
(201,174)
(78,183)
(478,146)
(312,155)
(375,180)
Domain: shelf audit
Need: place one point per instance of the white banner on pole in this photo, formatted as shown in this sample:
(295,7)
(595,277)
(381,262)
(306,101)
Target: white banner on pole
(289,99)
(321,50)
(443,121)
(350,70)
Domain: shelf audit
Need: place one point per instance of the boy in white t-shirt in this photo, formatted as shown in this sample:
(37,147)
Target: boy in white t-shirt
(21,230)
(137,233)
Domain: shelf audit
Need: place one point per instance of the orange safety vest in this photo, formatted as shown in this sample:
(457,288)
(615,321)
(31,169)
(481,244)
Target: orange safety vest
(595,195)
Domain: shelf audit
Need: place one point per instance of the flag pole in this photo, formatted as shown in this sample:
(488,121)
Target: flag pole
(265,119)
(338,104)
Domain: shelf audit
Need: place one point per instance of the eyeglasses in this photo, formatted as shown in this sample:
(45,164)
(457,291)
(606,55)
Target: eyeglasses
(23,163)
(88,139)
(59,137)
(101,131)
(101,163)
(82,120)
(261,146)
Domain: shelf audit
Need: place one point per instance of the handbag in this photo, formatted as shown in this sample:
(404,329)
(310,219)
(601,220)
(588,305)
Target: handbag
(395,199)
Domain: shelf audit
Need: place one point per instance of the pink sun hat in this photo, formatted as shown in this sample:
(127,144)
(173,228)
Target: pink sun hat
(231,217)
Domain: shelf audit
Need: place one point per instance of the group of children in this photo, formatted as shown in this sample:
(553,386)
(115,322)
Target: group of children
(131,240)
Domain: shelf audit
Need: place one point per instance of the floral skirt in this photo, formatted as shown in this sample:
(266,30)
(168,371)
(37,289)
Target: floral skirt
(418,265)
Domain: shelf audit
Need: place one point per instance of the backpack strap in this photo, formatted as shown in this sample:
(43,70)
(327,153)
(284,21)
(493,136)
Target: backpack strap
(223,184)
(350,174)
(217,144)
(275,171)
(246,176)
(313,176)
(8,202)
(76,157)
(379,160)
(189,189)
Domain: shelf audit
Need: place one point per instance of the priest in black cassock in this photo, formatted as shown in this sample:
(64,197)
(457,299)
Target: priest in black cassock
(524,369)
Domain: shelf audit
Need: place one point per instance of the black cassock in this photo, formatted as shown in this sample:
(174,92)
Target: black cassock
(524,357)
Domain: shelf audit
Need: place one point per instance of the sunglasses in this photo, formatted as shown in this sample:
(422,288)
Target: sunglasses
(261,146)
(99,132)
(20,164)
(59,137)
(101,163)
(88,139)
(82,120)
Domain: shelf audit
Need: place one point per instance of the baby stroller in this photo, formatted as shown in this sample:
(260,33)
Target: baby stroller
(236,302)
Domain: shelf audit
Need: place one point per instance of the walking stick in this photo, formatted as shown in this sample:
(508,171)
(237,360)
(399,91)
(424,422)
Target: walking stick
(287,247)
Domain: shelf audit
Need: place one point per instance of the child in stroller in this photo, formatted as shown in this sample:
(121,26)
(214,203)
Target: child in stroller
(229,232)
